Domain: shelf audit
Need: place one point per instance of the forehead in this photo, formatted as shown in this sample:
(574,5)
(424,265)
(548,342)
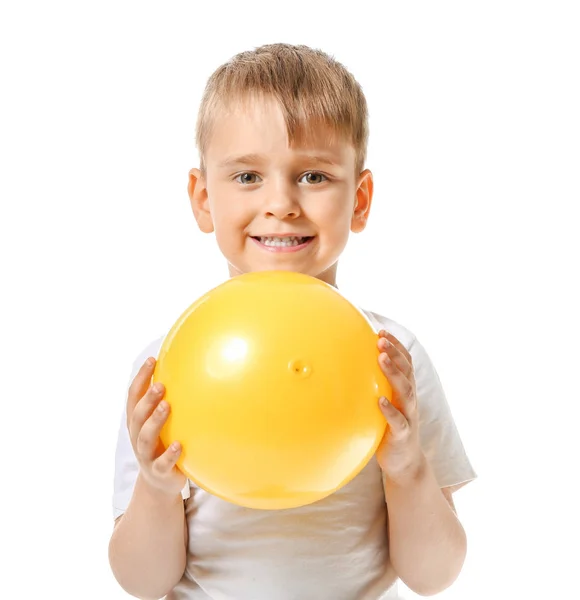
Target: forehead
(258,126)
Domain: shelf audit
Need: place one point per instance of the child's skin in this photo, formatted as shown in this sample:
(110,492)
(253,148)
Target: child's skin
(256,185)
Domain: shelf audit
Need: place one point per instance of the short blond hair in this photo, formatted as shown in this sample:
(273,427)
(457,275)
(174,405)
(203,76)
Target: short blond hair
(310,86)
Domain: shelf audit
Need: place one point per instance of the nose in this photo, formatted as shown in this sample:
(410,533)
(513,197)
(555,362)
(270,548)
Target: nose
(281,203)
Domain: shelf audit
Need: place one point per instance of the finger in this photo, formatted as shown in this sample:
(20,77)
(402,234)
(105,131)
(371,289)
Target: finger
(384,334)
(165,463)
(139,385)
(148,436)
(398,424)
(403,389)
(145,408)
(396,356)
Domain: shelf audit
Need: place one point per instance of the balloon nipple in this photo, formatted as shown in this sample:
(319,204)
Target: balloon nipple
(299,368)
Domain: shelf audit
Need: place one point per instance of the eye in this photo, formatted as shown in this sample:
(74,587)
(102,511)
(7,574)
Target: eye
(313,177)
(246,178)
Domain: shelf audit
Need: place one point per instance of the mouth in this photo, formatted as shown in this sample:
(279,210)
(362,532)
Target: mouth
(287,243)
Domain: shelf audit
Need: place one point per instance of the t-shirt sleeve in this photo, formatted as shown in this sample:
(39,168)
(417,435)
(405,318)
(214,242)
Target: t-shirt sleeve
(126,465)
(438,432)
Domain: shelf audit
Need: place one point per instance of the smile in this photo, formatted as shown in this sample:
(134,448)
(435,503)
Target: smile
(283,244)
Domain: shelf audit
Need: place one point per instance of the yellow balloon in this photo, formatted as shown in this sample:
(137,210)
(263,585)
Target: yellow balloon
(273,382)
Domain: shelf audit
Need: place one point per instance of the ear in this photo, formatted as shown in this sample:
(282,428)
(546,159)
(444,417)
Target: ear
(364,197)
(198,198)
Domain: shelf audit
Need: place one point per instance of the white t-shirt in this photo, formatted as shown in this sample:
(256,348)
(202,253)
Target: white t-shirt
(333,549)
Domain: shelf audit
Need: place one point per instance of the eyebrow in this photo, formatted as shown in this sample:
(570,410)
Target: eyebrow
(251,159)
(243,159)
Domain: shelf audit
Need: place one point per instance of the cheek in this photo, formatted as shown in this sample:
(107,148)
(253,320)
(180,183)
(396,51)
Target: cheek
(230,225)
(334,219)
(228,212)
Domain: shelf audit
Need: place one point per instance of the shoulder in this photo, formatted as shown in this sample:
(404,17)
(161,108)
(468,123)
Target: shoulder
(402,333)
(424,369)
(428,385)
(151,349)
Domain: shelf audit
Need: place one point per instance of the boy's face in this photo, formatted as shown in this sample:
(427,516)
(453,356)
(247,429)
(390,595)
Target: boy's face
(276,207)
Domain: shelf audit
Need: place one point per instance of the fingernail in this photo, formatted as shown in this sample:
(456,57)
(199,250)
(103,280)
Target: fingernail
(150,362)
(157,388)
(162,406)
(384,401)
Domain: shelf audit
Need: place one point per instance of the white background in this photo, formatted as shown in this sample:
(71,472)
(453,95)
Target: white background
(473,245)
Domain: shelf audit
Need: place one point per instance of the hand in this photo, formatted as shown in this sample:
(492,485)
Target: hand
(399,455)
(146,415)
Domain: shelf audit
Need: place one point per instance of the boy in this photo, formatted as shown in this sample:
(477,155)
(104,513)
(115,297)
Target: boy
(282,134)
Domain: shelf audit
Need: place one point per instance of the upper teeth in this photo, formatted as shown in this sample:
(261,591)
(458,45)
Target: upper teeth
(285,241)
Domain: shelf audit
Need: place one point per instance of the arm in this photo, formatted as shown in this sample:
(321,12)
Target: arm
(148,547)
(426,540)
(147,551)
